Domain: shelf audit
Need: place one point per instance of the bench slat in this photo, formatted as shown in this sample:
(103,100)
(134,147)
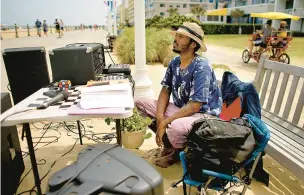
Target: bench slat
(299,107)
(281,94)
(273,90)
(280,67)
(265,87)
(259,76)
(285,159)
(292,92)
(276,135)
(279,137)
(298,154)
(284,124)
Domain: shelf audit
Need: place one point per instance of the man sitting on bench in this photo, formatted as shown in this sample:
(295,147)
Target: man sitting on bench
(192,82)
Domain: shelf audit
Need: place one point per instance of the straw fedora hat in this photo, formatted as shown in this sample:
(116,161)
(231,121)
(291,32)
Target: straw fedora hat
(193,31)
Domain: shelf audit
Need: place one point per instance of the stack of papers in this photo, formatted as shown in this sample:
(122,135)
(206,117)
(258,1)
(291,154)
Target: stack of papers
(107,96)
(114,98)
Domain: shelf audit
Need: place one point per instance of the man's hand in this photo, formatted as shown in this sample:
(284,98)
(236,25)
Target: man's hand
(161,129)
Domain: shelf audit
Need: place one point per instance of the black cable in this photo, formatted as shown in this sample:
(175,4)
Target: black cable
(56,126)
(28,191)
(44,162)
(111,57)
(53,164)
(58,159)
(46,128)
(8,87)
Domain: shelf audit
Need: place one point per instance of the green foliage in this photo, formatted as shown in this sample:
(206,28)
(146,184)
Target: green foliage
(228,28)
(172,11)
(136,122)
(237,13)
(198,11)
(169,22)
(158,46)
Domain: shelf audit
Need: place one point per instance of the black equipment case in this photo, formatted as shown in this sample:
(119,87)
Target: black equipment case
(107,169)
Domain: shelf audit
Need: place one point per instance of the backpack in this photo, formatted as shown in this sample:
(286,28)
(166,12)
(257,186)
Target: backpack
(217,145)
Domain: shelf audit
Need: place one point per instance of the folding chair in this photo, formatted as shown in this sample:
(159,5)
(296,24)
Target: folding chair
(261,134)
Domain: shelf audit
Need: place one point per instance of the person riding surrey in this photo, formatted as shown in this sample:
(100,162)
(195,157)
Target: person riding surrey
(266,34)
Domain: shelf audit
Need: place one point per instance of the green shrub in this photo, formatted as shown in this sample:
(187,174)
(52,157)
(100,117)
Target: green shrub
(158,46)
(228,28)
(169,22)
(298,34)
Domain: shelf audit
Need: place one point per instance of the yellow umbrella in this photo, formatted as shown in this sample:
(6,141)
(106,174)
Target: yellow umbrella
(217,12)
(274,16)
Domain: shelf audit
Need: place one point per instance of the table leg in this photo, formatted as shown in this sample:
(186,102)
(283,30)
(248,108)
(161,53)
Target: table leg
(79,132)
(27,129)
(118,131)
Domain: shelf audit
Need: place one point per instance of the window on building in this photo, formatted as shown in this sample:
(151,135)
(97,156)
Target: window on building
(170,5)
(185,6)
(289,4)
(178,6)
(162,5)
(162,13)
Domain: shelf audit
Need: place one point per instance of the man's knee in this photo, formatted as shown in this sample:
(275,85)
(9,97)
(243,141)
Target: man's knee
(140,104)
(177,133)
(147,106)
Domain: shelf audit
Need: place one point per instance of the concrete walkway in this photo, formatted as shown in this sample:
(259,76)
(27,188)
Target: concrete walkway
(281,181)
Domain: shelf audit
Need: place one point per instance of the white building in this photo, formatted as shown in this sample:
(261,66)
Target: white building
(293,7)
(160,7)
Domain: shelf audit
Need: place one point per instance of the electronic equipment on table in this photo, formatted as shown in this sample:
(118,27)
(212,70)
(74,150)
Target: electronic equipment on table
(117,68)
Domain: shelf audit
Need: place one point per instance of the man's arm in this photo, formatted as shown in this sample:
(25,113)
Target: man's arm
(164,95)
(162,103)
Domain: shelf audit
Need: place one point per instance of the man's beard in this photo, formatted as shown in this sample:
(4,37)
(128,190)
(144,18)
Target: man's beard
(176,50)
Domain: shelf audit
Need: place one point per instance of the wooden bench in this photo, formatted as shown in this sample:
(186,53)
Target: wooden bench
(281,91)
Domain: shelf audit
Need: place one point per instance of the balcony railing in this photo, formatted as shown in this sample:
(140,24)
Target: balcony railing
(286,11)
(299,12)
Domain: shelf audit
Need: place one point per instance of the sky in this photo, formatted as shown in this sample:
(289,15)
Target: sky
(72,12)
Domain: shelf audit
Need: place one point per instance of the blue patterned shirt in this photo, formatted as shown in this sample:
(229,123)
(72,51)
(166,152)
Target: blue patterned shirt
(196,83)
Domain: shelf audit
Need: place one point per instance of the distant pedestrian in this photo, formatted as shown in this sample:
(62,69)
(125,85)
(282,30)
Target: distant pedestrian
(95,27)
(57,26)
(38,26)
(45,28)
(61,27)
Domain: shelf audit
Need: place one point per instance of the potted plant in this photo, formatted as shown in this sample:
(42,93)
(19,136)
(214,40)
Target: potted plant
(134,130)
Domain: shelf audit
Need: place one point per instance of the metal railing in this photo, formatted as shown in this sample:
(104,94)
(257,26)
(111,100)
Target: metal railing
(286,11)
(29,30)
(299,12)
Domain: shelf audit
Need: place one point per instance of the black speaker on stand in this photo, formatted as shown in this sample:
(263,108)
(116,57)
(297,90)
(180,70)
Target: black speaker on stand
(12,165)
(27,71)
(78,62)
